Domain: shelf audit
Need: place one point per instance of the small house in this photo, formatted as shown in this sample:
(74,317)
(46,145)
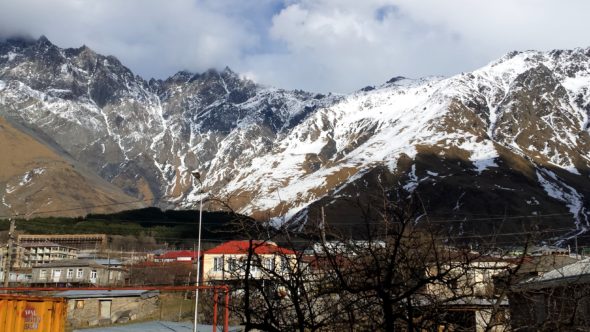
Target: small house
(77,272)
(105,307)
(230,260)
(557,300)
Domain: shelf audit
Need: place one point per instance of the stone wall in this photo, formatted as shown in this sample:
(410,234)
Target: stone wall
(123,309)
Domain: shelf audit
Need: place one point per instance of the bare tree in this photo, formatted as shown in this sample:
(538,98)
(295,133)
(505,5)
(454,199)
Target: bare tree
(393,271)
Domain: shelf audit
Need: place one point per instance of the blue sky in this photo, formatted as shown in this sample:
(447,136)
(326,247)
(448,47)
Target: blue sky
(319,45)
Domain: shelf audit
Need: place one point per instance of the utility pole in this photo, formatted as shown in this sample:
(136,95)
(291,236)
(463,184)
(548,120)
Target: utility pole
(9,248)
(323,227)
(108,268)
(197,177)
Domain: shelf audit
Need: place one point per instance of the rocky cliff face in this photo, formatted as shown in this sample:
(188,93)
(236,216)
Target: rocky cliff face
(510,138)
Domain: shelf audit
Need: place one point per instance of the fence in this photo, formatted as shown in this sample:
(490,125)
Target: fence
(111,306)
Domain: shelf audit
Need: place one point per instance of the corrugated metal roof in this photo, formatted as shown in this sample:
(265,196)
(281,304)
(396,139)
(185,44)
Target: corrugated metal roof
(74,263)
(105,261)
(575,270)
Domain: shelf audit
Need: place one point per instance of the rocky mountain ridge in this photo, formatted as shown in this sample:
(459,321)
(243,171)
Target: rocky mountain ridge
(511,137)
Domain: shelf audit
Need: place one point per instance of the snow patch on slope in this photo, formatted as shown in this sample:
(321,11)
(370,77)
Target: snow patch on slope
(557,189)
(482,155)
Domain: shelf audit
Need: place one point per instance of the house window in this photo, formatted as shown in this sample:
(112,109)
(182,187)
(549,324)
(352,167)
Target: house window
(218,263)
(70,274)
(232,264)
(268,264)
(56,274)
(93,274)
(43,274)
(284,264)
(79,273)
(254,265)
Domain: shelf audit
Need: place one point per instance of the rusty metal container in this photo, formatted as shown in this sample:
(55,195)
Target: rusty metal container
(32,314)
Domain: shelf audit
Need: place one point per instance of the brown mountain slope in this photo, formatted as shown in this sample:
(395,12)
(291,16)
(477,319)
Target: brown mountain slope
(35,180)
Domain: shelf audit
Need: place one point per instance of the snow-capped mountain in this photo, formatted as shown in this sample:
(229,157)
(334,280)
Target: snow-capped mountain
(511,138)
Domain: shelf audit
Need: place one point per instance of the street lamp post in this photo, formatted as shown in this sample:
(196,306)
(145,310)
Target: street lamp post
(197,176)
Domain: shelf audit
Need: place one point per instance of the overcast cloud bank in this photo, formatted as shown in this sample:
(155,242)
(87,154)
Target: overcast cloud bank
(319,45)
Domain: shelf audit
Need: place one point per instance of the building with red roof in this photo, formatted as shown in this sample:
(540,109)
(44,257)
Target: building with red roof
(230,260)
(188,256)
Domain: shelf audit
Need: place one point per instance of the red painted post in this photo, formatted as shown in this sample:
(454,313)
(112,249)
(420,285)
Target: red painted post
(215,295)
(226,318)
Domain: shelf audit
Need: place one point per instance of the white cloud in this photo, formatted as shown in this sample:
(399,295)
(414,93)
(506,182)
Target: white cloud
(152,37)
(343,45)
(319,45)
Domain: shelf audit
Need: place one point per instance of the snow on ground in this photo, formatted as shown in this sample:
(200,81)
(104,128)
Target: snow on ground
(557,189)
(412,184)
(482,153)
(365,129)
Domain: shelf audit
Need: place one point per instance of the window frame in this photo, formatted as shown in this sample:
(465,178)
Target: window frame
(218,263)
(268,263)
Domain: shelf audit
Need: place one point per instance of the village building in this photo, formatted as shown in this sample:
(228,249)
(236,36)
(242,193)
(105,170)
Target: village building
(80,241)
(99,307)
(469,296)
(558,300)
(230,260)
(188,256)
(19,269)
(18,258)
(78,272)
(46,252)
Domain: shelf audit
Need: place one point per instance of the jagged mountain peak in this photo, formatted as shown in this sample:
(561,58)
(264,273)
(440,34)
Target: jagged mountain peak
(185,76)
(182,76)
(44,41)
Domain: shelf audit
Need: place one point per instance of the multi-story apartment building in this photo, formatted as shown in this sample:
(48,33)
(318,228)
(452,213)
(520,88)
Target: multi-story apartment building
(81,241)
(46,252)
(18,258)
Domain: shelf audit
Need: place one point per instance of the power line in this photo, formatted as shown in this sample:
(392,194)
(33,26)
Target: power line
(466,219)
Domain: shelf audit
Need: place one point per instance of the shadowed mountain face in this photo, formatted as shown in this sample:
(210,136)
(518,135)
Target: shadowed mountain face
(36,179)
(510,138)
